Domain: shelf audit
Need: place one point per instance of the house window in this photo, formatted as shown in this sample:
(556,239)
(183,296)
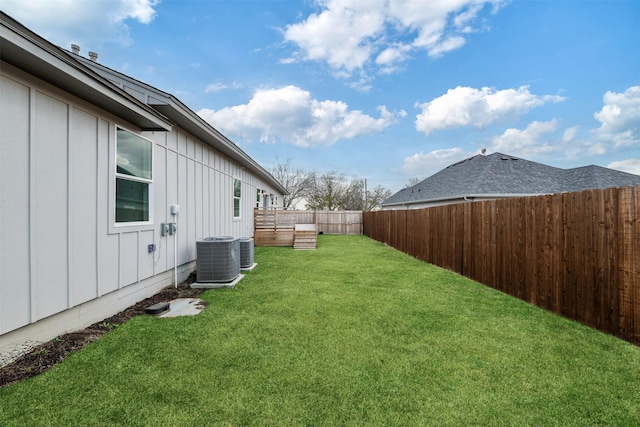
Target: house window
(258,193)
(134,177)
(237,193)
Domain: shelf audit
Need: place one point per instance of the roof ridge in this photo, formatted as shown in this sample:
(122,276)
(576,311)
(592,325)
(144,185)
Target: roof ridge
(490,163)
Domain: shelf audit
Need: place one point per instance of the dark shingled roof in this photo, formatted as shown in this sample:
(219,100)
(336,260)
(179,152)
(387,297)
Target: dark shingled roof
(502,175)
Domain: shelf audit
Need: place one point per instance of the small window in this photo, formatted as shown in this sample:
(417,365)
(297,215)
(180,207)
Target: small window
(134,177)
(237,194)
(258,193)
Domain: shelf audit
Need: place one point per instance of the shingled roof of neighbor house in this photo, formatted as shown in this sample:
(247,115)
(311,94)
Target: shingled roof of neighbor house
(503,175)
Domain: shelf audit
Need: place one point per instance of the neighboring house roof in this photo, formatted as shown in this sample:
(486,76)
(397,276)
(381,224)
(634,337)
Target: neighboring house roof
(28,51)
(503,175)
(180,115)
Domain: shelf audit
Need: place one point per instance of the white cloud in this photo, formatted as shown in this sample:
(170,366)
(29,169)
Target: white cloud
(292,116)
(619,130)
(538,139)
(462,19)
(392,54)
(83,22)
(525,142)
(466,106)
(446,45)
(570,134)
(349,34)
(629,165)
(424,164)
(217,87)
(391,59)
(620,117)
(341,35)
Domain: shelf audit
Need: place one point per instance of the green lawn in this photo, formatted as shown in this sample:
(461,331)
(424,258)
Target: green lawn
(354,333)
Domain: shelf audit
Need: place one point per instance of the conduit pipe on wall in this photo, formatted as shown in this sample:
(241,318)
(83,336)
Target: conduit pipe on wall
(175,209)
(175,254)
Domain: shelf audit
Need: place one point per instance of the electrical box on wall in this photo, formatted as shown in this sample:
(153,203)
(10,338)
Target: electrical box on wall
(168,228)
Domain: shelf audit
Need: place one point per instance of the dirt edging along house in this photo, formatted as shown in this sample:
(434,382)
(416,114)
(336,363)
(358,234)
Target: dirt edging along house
(93,164)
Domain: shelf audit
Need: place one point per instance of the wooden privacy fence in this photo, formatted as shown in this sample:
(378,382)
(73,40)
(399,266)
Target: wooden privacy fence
(275,227)
(576,254)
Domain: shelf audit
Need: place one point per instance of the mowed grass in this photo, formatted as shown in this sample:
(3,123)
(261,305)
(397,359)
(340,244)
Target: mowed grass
(354,333)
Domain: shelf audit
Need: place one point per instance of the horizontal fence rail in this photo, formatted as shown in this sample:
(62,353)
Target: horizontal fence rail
(275,227)
(576,254)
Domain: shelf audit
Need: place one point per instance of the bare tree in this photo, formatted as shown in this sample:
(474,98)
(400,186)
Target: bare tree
(329,191)
(361,198)
(295,181)
(333,191)
(326,192)
(375,197)
(413,181)
(354,196)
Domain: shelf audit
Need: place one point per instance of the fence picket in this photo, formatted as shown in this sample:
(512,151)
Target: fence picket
(576,254)
(274,227)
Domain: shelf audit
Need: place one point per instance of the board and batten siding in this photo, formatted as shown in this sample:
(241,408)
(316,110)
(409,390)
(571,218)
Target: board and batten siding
(59,246)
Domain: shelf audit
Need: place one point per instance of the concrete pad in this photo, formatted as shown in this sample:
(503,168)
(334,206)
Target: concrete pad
(250,268)
(207,285)
(184,307)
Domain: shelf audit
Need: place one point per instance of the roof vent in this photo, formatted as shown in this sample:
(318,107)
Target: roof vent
(75,48)
(93,56)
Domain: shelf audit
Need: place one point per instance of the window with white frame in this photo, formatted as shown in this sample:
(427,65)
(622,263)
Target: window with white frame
(237,195)
(258,194)
(134,177)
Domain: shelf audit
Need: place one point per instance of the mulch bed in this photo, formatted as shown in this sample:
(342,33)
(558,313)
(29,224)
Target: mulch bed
(48,354)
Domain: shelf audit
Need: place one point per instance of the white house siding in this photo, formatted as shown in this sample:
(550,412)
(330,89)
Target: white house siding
(200,180)
(14,204)
(62,258)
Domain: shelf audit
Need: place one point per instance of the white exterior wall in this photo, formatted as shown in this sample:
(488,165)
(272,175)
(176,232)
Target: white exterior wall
(200,180)
(60,252)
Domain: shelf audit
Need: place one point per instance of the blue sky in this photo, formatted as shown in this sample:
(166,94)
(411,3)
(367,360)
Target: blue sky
(385,90)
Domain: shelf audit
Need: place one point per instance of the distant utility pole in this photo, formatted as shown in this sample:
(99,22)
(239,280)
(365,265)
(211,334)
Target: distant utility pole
(366,196)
